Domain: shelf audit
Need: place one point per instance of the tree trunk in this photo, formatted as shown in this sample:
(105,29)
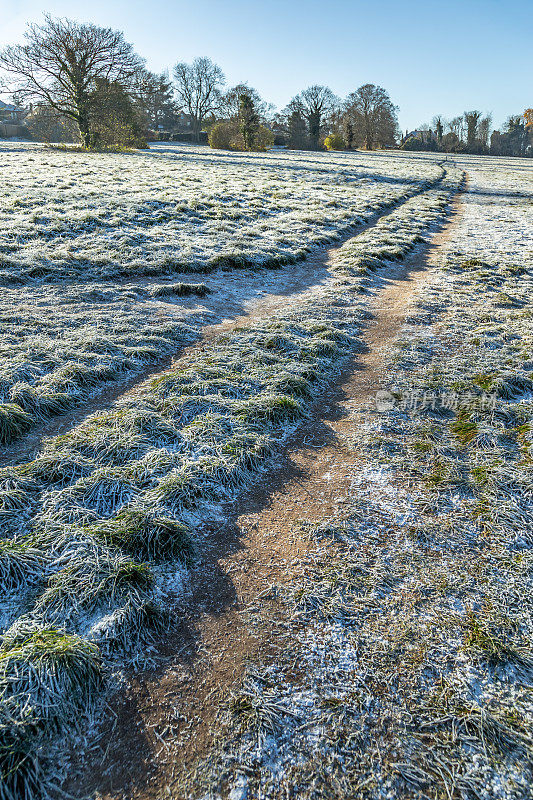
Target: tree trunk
(86,137)
(349,135)
(84,123)
(369,134)
(197,128)
(314,129)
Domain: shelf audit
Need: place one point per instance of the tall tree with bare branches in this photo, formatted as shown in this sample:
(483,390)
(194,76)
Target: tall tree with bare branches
(198,89)
(231,102)
(314,104)
(483,130)
(61,62)
(457,127)
(377,113)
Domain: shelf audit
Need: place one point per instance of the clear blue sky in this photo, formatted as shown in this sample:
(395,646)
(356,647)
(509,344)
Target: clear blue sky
(444,56)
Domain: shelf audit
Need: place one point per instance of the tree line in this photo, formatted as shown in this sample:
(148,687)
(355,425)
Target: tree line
(86,84)
(472,133)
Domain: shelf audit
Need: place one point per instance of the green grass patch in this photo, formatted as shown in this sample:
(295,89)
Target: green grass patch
(14,422)
(145,535)
(464,430)
(180,290)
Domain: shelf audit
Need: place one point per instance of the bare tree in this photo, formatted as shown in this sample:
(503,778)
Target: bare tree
(456,126)
(314,105)
(198,89)
(61,62)
(377,112)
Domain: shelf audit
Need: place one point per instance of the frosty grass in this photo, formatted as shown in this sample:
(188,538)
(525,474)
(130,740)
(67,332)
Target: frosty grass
(99,528)
(91,246)
(413,628)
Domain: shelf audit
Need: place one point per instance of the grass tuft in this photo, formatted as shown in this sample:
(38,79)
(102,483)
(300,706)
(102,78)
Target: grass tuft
(21,562)
(14,422)
(269,409)
(85,582)
(180,290)
(47,679)
(145,535)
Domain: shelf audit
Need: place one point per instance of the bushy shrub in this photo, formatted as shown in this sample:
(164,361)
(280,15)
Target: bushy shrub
(115,122)
(224,136)
(264,138)
(414,144)
(46,125)
(227,136)
(334,142)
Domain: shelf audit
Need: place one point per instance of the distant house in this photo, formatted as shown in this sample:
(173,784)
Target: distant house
(10,114)
(183,121)
(423,136)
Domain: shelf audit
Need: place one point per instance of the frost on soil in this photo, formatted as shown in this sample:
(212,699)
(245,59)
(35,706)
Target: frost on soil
(412,625)
(415,628)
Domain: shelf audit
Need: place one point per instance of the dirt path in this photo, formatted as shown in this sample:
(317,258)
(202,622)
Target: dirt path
(156,731)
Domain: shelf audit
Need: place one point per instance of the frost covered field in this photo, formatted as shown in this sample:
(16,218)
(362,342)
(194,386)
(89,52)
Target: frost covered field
(413,627)
(178,208)
(99,528)
(81,235)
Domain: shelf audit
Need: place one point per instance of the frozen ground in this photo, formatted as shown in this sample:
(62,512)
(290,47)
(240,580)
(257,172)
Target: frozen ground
(177,208)
(409,665)
(82,237)
(101,529)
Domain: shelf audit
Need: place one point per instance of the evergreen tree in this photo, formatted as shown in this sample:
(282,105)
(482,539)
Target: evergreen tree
(248,120)
(154,98)
(439,130)
(349,134)
(297,135)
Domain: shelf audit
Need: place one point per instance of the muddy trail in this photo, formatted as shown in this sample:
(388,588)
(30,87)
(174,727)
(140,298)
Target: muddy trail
(235,298)
(156,732)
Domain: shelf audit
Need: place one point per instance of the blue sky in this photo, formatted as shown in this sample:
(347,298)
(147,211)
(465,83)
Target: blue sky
(433,57)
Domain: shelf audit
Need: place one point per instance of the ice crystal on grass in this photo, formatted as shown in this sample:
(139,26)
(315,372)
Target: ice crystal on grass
(180,290)
(127,484)
(93,576)
(409,634)
(145,535)
(47,679)
(13,422)
(21,562)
